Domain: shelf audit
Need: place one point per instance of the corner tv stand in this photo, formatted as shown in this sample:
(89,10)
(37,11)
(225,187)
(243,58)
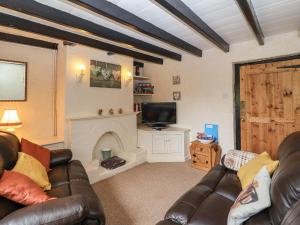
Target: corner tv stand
(167,145)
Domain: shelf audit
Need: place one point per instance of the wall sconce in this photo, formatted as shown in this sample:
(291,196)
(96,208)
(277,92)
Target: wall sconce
(10,120)
(81,73)
(128,78)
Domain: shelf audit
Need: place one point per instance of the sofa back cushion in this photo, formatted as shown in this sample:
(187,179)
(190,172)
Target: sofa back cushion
(285,185)
(9,148)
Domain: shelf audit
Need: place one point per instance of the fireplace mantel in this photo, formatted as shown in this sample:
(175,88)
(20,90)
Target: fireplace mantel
(94,117)
(83,134)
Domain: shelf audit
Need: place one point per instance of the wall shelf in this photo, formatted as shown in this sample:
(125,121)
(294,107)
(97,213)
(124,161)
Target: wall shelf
(142,94)
(141,78)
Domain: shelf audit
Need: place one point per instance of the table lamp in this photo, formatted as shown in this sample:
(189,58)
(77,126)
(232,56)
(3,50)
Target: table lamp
(10,120)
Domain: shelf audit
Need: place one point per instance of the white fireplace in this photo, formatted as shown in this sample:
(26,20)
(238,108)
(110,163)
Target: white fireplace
(86,136)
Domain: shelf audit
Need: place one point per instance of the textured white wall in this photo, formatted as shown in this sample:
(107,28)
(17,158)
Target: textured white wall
(83,100)
(37,112)
(207,83)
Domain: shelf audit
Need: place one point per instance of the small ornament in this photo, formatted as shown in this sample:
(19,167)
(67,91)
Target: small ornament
(100,111)
(120,110)
(111,112)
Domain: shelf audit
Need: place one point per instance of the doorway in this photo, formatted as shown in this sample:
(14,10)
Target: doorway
(267,103)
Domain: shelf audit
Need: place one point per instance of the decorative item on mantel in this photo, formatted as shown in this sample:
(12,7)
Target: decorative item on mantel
(120,111)
(111,112)
(100,111)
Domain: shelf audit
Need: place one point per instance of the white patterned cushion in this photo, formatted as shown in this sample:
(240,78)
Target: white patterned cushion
(252,200)
(234,159)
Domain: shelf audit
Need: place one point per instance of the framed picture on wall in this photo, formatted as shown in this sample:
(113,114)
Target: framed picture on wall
(105,75)
(176,95)
(176,80)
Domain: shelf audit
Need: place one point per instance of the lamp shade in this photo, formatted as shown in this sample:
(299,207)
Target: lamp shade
(10,119)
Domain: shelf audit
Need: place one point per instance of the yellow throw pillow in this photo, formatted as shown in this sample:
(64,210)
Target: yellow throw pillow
(248,171)
(33,169)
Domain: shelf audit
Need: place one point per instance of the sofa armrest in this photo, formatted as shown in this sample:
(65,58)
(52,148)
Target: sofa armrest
(167,222)
(60,156)
(68,210)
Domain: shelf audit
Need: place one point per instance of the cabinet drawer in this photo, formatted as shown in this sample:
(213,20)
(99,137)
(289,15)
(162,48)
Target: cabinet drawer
(200,149)
(201,160)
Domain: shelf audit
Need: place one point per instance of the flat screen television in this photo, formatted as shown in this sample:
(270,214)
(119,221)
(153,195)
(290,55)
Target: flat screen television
(159,114)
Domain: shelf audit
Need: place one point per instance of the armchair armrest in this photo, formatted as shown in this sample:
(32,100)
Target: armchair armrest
(63,211)
(60,156)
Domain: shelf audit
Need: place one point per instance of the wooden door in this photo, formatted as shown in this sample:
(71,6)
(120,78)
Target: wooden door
(269,104)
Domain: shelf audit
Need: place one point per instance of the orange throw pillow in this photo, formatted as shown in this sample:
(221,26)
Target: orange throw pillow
(20,188)
(40,153)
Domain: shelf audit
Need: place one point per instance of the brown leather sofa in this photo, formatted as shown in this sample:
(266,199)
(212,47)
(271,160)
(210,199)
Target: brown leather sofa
(209,202)
(76,201)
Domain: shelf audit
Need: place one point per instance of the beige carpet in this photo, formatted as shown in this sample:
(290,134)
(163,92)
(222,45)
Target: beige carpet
(142,195)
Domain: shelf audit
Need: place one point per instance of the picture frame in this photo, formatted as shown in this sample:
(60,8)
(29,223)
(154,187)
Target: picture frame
(176,80)
(105,75)
(176,95)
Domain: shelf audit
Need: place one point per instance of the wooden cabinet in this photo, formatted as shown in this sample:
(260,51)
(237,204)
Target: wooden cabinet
(204,156)
(168,145)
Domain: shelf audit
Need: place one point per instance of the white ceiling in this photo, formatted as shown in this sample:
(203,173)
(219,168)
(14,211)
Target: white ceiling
(224,16)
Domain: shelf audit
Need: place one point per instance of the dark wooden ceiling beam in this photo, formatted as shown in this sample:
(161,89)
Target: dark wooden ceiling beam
(250,15)
(130,20)
(27,41)
(33,27)
(37,9)
(184,13)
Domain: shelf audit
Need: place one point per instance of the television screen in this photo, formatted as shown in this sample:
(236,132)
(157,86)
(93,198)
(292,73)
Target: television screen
(159,113)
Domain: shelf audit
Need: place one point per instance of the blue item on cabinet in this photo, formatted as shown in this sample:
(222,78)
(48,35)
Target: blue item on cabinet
(211,130)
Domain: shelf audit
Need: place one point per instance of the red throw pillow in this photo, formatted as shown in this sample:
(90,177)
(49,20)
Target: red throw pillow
(20,188)
(40,153)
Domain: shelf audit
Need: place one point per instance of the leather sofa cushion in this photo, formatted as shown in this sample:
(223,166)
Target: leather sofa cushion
(285,187)
(60,191)
(261,218)
(71,179)
(213,210)
(213,177)
(217,190)
(59,176)
(60,157)
(229,186)
(95,210)
(186,206)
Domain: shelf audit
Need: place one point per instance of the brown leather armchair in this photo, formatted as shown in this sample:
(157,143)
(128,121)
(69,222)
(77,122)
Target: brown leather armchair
(76,202)
(209,202)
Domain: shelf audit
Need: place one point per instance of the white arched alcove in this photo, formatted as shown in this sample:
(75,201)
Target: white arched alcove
(110,140)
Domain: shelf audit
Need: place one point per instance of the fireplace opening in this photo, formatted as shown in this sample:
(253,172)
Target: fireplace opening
(108,140)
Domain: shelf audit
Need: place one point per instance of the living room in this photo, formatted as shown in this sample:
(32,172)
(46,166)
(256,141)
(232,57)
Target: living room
(133,103)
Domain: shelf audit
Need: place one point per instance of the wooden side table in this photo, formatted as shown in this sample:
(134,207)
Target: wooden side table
(205,156)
